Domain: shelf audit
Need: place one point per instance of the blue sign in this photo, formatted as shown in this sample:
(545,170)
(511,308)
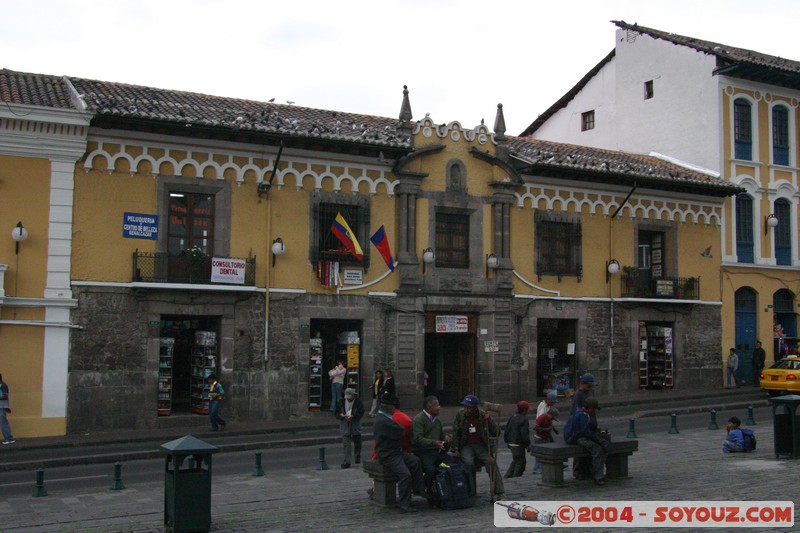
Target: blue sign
(140,226)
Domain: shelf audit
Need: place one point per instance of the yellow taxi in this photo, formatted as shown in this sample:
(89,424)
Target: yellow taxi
(783,377)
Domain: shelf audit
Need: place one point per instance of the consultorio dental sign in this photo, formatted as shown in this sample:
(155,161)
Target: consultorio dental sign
(227,270)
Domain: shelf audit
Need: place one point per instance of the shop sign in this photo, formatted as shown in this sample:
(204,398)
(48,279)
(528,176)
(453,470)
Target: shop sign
(352,356)
(452,324)
(491,346)
(665,287)
(139,226)
(353,276)
(227,270)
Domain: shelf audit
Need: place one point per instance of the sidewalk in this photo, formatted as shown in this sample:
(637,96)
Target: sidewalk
(128,445)
(667,467)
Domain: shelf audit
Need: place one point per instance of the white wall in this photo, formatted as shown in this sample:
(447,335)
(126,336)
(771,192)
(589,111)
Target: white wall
(682,120)
(599,95)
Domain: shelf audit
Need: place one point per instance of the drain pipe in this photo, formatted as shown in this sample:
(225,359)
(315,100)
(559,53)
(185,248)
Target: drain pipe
(611,294)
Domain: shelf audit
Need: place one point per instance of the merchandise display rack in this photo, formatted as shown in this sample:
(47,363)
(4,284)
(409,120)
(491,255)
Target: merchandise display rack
(166,346)
(204,363)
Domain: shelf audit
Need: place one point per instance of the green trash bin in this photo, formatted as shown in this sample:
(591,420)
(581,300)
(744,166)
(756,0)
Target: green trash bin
(187,484)
(786,425)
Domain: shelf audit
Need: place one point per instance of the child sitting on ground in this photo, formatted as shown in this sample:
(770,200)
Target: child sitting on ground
(735,440)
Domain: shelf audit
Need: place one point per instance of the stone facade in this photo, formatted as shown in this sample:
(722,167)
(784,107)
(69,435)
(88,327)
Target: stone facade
(114,365)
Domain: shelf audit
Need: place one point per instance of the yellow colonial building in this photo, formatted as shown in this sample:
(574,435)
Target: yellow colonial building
(184,234)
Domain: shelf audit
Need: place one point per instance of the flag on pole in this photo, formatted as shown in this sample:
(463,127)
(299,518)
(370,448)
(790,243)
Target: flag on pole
(346,235)
(382,244)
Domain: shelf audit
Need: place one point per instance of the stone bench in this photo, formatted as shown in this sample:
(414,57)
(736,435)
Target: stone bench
(552,455)
(384,483)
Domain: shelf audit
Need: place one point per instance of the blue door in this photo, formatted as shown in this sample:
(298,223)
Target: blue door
(745,332)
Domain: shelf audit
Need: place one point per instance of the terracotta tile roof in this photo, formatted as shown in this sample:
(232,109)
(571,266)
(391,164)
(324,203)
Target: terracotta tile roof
(184,108)
(34,89)
(729,54)
(193,109)
(582,162)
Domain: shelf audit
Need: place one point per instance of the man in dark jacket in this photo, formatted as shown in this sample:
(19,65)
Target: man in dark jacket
(581,429)
(472,429)
(405,466)
(349,412)
(518,438)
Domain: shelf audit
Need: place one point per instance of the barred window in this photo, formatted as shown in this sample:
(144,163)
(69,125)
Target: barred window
(452,240)
(558,247)
(328,246)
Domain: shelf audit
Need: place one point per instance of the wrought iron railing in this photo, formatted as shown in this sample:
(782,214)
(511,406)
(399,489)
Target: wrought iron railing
(638,285)
(185,268)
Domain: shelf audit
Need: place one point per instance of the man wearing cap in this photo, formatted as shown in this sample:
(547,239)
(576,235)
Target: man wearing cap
(471,430)
(584,391)
(406,466)
(545,405)
(518,438)
(580,465)
(581,429)
(349,412)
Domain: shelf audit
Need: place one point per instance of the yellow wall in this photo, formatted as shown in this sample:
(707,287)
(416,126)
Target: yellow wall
(25,197)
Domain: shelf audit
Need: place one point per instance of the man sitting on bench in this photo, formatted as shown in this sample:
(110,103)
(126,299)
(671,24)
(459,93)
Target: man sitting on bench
(581,429)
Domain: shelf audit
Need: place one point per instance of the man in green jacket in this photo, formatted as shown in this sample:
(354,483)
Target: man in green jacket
(471,430)
(428,440)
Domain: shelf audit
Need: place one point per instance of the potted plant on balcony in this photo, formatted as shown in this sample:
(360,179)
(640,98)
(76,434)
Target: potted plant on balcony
(197,255)
(198,261)
(629,276)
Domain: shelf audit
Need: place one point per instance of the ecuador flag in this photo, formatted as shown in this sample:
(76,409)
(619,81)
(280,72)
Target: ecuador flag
(346,235)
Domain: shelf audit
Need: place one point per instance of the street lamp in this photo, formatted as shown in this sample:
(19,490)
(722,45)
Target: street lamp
(19,234)
(428,257)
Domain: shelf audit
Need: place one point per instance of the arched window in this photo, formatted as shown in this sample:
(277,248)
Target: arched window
(742,130)
(783,232)
(780,135)
(744,228)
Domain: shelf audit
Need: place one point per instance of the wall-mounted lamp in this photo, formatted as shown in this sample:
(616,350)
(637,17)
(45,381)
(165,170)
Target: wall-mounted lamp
(491,262)
(428,257)
(278,248)
(612,267)
(770,221)
(19,234)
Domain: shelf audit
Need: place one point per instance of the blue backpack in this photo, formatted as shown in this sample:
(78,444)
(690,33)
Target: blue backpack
(749,438)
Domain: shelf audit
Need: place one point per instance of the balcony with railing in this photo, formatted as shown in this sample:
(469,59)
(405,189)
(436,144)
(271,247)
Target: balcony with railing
(637,284)
(185,268)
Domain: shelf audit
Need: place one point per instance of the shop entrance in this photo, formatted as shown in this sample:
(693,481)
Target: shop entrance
(450,357)
(557,361)
(183,328)
(332,341)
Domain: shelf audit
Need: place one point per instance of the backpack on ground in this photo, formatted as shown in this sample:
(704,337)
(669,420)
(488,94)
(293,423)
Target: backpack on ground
(452,485)
(749,439)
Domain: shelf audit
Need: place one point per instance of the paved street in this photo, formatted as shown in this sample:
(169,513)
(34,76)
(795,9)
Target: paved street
(686,466)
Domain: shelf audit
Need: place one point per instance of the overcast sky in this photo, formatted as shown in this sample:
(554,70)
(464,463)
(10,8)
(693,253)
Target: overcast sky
(458,58)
